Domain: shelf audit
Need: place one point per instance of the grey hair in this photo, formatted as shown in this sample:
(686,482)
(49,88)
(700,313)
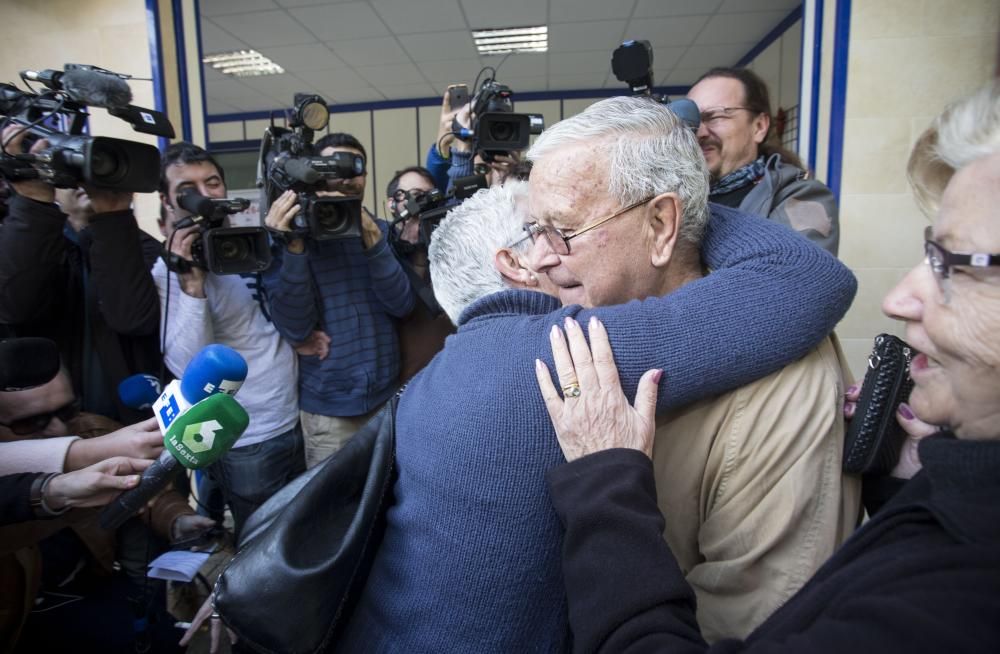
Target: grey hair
(966,130)
(650,151)
(464,244)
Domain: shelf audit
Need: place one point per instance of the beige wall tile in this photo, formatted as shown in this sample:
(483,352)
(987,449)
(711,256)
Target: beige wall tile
(880,230)
(395,148)
(874,19)
(768,65)
(428,118)
(231,131)
(961,17)
(791,64)
(573,107)
(865,318)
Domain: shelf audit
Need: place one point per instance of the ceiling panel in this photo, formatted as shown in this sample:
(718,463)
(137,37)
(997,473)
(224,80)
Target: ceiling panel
(666,32)
(520,65)
(526,85)
(564,11)
(408,16)
(709,56)
(580,62)
(391,75)
(450,72)
(739,28)
(654,8)
(264,28)
(683,76)
(577,81)
(505,13)
(439,46)
(592,35)
(298,58)
(758,5)
(352,20)
(403,91)
(215,39)
(370,52)
(222,7)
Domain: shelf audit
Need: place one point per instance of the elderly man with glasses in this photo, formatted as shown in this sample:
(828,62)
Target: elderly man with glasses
(470,560)
(750,168)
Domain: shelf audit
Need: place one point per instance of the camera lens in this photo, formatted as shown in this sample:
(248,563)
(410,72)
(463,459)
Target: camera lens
(330,218)
(233,249)
(105,162)
(503,131)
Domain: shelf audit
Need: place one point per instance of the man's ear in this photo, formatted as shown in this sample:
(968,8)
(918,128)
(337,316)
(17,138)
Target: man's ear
(510,268)
(161,219)
(665,221)
(761,124)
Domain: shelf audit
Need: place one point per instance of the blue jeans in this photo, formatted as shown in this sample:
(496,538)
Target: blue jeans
(250,475)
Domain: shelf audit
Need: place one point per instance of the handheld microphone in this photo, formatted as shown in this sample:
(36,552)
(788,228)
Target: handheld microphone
(198,438)
(216,369)
(687,111)
(27,363)
(139,391)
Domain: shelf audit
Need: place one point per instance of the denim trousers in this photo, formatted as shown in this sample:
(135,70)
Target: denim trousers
(250,475)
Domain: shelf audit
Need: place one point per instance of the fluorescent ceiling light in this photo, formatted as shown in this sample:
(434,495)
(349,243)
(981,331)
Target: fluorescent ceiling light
(243,63)
(512,39)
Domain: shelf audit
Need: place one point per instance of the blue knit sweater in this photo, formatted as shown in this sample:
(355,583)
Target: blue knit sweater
(471,557)
(353,295)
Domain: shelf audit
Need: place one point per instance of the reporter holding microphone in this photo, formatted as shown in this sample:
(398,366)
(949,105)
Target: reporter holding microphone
(199,308)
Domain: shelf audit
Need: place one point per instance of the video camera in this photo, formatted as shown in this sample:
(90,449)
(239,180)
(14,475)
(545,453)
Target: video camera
(59,115)
(288,161)
(632,63)
(496,130)
(223,250)
(430,207)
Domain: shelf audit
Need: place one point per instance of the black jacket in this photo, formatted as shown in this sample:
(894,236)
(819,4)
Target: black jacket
(923,575)
(97,293)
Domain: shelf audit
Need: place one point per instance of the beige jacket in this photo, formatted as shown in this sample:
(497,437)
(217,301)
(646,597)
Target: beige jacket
(752,491)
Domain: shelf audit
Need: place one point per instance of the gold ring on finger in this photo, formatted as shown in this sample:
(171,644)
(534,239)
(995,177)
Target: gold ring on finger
(571,389)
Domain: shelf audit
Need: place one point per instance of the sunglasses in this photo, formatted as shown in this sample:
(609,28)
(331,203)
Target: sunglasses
(36,423)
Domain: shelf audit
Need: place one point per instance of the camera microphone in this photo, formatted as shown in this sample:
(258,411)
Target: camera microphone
(300,170)
(687,111)
(85,85)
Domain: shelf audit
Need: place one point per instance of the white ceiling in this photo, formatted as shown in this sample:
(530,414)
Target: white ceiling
(399,49)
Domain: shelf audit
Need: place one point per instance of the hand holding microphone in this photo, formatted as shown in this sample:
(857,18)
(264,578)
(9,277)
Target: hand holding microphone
(196,439)
(200,422)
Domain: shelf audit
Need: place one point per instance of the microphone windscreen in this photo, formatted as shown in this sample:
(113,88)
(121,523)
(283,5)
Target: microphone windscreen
(206,431)
(139,391)
(196,203)
(27,362)
(96,89)
(301,170)
(687,111)
(215,369)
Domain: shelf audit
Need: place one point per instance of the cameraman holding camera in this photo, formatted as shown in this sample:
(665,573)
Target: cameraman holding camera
(74,267)
(340,298)
(200,308)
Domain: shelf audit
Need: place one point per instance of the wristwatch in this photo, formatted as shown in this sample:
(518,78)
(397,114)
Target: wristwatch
(36,497)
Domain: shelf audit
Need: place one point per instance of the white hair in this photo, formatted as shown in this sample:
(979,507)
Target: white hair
(463,246)
(650,151)
(967,130)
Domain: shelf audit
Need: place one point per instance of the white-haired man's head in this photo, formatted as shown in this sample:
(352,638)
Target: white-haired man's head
(478,247)
(619,195)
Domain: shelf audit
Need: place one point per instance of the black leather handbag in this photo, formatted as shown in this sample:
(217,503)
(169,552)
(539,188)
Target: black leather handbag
(875,438)
(305,554)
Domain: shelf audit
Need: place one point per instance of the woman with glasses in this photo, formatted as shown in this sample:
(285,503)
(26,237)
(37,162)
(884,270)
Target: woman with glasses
(923,574)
